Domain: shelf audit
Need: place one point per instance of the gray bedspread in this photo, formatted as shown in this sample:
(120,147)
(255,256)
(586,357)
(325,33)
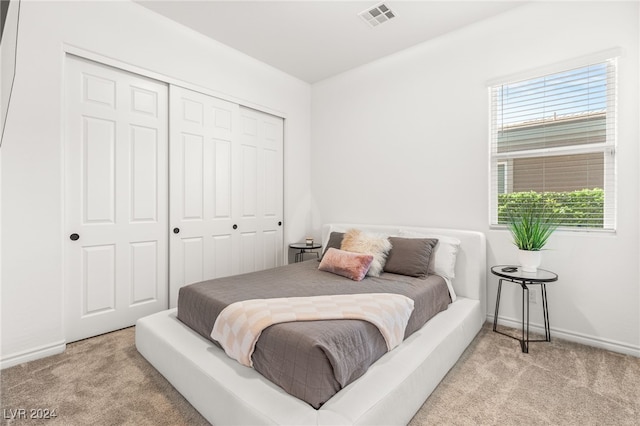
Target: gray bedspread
(311,360)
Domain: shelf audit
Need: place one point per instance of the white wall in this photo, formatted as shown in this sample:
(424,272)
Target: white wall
(7,58)
(404,140)
(32,151)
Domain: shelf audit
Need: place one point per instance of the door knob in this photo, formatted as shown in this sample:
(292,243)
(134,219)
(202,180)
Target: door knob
(176,230)
(235,226)
(74,237)
(279,223)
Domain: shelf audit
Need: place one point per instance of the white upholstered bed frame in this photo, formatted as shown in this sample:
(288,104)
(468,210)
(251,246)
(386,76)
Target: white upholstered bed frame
(390,392)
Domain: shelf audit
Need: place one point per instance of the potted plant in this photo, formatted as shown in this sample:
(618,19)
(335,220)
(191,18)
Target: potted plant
(531,225)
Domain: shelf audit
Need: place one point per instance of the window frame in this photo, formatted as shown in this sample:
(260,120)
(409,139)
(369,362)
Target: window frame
(607,148)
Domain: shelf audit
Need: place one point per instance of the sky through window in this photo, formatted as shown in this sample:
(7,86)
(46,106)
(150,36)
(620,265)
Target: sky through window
(576,91)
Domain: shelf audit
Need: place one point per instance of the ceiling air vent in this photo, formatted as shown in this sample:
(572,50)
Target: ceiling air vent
(377,14)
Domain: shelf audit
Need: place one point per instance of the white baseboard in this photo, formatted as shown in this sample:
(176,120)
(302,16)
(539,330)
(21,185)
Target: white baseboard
(584,339)
(33,354)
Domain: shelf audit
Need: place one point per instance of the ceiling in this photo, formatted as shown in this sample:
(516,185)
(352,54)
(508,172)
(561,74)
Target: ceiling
(314,40)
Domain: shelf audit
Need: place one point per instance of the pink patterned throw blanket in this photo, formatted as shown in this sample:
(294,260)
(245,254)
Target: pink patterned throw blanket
(240,324)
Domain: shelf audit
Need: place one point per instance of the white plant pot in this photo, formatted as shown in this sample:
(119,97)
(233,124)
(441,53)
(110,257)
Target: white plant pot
(529,260)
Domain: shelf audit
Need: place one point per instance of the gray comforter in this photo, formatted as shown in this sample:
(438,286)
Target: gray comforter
(311,360)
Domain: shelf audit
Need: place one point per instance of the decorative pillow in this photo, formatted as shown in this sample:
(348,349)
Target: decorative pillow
(335,241)
(376,245)
(410,256)
(443,255)
(348,264)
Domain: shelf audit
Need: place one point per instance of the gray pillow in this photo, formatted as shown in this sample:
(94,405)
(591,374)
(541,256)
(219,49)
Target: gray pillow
(410,256)
(335,241)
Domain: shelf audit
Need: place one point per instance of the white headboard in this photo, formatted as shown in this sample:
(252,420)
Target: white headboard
(471,263)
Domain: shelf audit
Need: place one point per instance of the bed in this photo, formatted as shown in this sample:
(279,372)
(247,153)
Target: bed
(391,390)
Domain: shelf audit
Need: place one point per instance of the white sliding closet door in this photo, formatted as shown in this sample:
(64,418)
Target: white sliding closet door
(203,180)
(223,189)
(116,204)
(260,216)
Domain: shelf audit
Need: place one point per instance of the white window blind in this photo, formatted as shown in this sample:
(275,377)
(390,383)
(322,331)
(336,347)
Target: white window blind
(553,146)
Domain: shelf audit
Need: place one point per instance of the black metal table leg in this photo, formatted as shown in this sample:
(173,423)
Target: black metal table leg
(545,312)
(495,317)
(524,343)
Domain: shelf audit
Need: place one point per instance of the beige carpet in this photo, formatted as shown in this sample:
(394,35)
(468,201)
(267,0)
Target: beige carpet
(104,381)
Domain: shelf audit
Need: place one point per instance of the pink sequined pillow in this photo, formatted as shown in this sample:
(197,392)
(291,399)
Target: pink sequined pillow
(348,264)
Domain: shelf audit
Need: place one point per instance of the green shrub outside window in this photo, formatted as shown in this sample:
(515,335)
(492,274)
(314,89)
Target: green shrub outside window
(581,208)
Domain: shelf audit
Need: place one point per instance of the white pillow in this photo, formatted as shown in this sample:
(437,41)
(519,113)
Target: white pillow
(443,255)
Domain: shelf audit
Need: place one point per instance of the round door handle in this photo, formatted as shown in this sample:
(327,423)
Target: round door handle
(176,230)
(235,226)
(74,237)
(279,223)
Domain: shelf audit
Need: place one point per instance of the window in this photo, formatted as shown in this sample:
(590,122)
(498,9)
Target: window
(553,145)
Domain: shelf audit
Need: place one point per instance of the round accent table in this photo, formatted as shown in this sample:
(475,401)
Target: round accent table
(513,274)
(304,248)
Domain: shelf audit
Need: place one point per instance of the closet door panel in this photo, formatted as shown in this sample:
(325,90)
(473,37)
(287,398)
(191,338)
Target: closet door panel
(98,279)
(144,276)
(223,255)
(116,198)
(193,182)
(193,254)
(202,188)
(261,139)
(272,183)
(222,207)
(271,243)
(249,193)
(98,170)
(248,252)
(144,174)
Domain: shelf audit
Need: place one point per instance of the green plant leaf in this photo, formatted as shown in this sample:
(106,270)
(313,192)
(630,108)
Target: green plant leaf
(531,223)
